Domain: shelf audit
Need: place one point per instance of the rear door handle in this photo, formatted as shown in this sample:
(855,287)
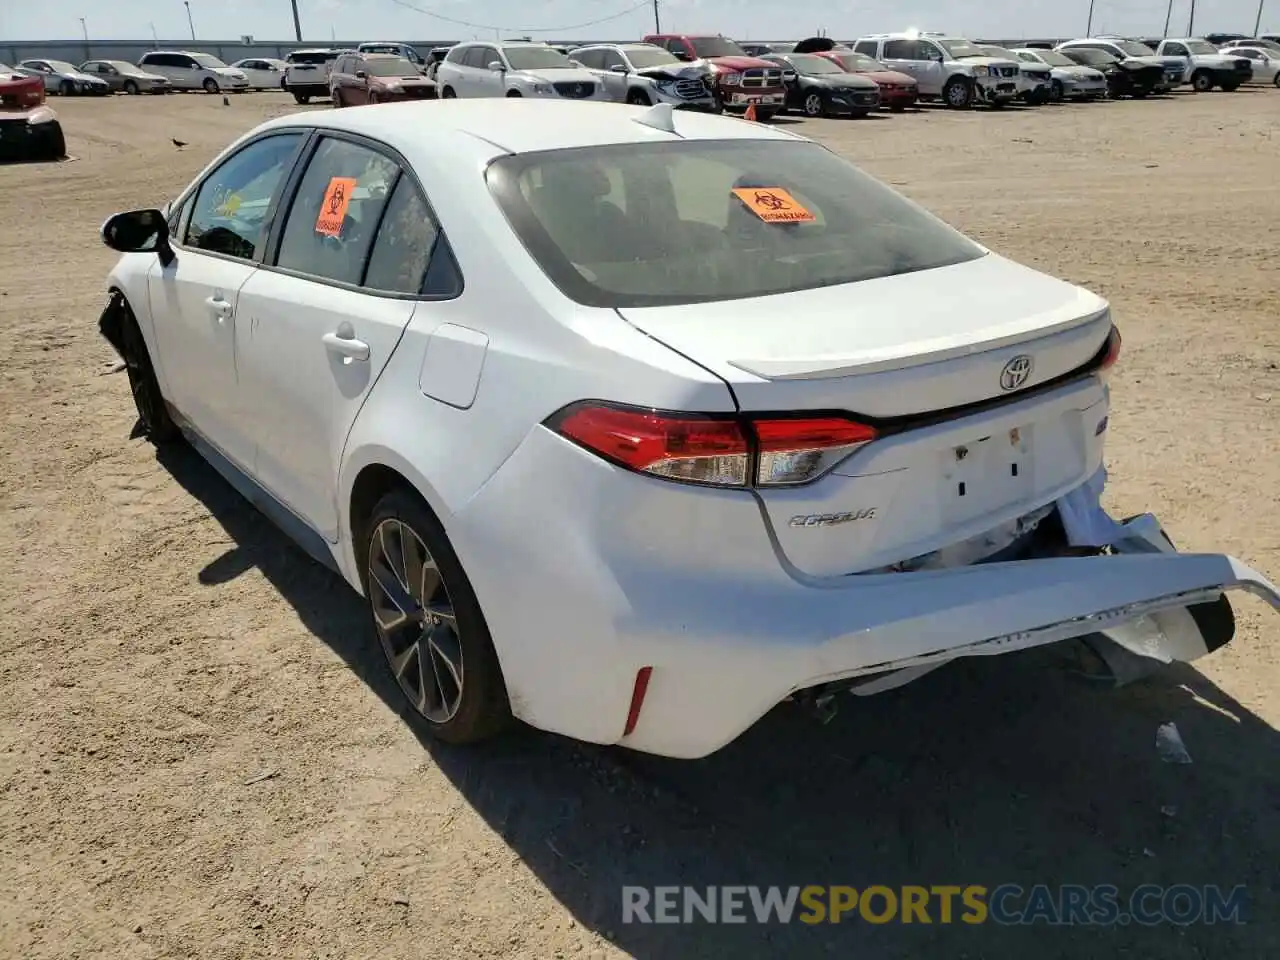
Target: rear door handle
(346,346)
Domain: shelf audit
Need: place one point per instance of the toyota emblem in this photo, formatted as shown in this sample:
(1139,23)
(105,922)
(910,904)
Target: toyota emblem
(1016,372)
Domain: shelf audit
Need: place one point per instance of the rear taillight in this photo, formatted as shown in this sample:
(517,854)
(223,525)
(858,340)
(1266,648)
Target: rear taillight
(719,451)
(1110,352)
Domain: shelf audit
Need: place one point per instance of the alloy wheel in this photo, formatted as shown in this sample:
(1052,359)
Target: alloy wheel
(813,105)
(414,617)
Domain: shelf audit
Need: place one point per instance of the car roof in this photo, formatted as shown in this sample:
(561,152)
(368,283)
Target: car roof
(523,125)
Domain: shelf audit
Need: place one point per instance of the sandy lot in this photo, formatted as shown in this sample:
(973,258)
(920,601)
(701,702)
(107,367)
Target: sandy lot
(163,644)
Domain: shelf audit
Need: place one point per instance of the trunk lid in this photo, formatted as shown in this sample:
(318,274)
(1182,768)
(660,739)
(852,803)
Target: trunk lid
(895,352)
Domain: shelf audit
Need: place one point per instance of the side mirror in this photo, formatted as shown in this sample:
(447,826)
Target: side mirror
(139,231)
(497,67)
(618,68)
(361,75)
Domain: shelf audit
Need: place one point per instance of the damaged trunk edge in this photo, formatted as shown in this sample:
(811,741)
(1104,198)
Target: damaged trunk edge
(1119,588)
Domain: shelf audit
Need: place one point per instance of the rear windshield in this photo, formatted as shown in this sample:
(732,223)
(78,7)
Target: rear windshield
(320,56)
(700,221)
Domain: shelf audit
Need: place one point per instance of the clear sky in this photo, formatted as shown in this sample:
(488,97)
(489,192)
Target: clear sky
(741,19)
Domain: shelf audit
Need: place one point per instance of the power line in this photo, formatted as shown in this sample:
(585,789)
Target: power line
(522,30)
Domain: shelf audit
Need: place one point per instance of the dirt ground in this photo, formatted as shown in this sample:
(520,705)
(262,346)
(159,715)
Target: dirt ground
(164,647)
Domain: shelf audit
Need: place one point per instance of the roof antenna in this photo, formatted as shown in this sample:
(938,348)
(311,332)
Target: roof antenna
(661,116)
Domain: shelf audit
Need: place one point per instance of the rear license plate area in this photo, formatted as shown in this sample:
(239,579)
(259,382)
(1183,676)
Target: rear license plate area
(987,474)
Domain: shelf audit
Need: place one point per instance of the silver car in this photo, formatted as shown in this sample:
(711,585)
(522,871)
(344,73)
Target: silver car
(63,78)
(644,73)
(1071,80)
(124,77)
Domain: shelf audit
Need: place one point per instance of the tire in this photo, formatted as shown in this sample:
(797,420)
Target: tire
(372,98)
(813,106)
(448,93)
(210,85)
(1275,81)
(147,398)
(284,86)
(1140,94)
(303,98)
(958,93)
(53,145)
(131,88)
(639,98)
(1230,86)
(66,88)
(1056,92)
(897,108)
(1202,81)
(514,93)
(464,698)
(764,116)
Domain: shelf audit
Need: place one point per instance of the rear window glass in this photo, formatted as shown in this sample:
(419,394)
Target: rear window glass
(697,221)
(318,57)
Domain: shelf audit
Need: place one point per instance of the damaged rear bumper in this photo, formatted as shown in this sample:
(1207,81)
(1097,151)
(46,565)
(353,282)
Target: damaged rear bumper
(670,625)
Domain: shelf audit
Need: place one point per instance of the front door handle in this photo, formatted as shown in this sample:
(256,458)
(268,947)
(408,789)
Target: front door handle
(220,307)
(346,345)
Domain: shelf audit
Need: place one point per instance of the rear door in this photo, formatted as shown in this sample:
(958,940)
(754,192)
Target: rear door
(324,320)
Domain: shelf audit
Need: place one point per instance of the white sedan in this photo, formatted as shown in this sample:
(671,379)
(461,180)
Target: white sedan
(1265,63)
(264,73)
(633,423)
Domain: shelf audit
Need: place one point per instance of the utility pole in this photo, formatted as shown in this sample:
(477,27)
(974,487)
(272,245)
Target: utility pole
(190,22)
(297,24)
(84,29)
(1191,20)
(1167,17)
(657,22)
(1257,24)
(1088,30)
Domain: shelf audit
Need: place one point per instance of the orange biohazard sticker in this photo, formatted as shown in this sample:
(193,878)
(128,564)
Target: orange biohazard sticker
(773,205)
(333,209)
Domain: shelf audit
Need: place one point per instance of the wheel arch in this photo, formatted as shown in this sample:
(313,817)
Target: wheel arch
(369,474)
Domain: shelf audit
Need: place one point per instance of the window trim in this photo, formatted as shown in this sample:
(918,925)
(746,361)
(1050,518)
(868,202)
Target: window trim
(275,235)
(178,239)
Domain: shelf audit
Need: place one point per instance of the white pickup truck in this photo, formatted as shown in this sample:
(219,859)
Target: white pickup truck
(1206,66)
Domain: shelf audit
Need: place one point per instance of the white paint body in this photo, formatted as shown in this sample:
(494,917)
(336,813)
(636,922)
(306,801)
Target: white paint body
(263,73)
(184,72)
(587,572)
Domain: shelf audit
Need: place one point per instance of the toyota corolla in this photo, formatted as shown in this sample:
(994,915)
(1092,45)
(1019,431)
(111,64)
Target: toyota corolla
(631,423)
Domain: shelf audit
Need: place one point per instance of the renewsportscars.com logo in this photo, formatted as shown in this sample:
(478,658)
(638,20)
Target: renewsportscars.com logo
(1008,904)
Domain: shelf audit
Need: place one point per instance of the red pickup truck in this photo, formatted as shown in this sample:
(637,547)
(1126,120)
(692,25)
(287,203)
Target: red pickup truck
(741,80)
(28,129)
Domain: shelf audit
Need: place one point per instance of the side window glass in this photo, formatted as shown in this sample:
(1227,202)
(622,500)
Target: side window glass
(610,59)
(405,238)
(900,50)
(336,211)
(1176,50)
(231,206)
(868,47)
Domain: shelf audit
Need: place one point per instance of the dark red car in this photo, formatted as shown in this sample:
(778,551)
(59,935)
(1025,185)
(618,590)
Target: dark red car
(897,90)
(360,78)
(741,80)
(29,130)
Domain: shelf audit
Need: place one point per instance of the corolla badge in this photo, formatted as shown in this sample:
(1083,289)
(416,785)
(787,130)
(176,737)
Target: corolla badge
(833,519)
(1016,372)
